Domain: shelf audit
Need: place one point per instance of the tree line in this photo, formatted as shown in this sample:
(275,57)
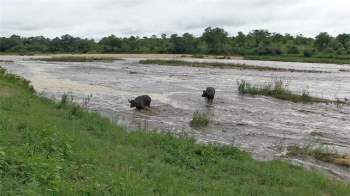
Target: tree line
(212,41)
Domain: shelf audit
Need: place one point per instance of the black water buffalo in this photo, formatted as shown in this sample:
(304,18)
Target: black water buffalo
(141,102)
(209,93)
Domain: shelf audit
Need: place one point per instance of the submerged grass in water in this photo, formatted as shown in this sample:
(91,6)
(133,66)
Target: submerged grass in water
(199,120)
(278,89)
(224,65)
(49,148)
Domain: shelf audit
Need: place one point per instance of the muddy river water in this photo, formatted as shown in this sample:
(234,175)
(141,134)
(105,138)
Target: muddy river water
(261,125)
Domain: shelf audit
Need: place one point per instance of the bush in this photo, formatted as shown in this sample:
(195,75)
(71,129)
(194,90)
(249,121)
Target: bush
(308,53)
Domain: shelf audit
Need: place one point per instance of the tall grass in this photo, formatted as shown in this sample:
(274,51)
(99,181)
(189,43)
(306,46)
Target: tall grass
(279,89)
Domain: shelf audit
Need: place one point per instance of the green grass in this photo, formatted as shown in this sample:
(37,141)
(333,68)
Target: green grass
(224,66)
(278,89)
(49,148)
(337,60)
(77,59)
(199,120)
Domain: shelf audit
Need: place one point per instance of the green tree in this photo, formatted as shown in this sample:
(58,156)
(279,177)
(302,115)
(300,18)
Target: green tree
(110,44)
(323,41)
(216,40)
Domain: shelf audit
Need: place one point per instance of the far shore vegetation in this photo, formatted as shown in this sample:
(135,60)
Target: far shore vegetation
(256,44)
(77,59)
(6,61)
(59,148)
(278,89)
(224,65)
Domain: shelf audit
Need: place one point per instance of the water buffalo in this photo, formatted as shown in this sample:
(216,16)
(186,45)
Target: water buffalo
(141,102)
(209,93)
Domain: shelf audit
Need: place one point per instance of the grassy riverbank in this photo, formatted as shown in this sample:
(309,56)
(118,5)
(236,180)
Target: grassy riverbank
(49,148)
(223,65)
(301,59)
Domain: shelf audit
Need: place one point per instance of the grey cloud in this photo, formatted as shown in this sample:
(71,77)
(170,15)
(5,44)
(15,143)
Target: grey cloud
(97,18)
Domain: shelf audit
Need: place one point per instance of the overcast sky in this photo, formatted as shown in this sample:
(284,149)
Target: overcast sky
(98,18)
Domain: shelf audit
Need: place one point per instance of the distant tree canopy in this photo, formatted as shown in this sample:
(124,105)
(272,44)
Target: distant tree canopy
(212,41)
